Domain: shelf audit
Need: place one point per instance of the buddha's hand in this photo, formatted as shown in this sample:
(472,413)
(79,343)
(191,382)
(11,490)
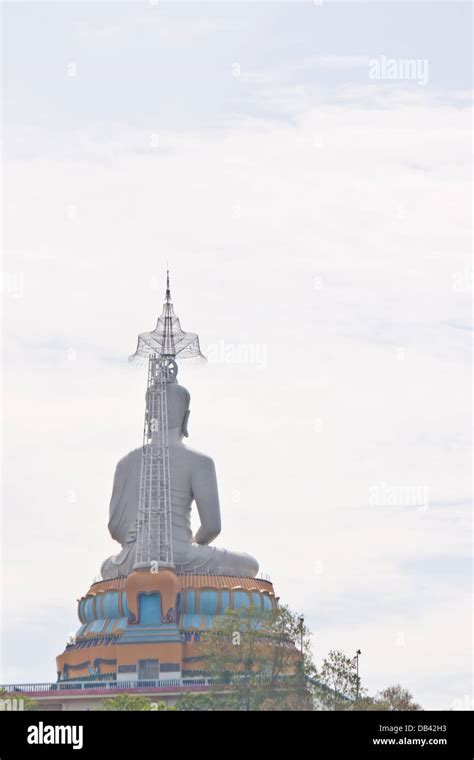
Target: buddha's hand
(206,534)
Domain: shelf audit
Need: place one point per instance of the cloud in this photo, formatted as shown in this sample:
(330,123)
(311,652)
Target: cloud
(338,62)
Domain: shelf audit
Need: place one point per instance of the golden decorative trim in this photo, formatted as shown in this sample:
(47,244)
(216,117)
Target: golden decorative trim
(192,581)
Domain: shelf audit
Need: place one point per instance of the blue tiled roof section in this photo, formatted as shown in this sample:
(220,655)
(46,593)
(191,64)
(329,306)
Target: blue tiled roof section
(88,610)
(191,602)
(110,608)
(267,602)
(241,599)
(208,600)
(225,601)
(192,621)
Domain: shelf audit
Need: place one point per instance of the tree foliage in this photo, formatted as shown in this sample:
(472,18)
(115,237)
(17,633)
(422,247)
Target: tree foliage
(338,681)
(339,689)
(254,661)
(23,703)
(197,702)
(125,703)
(396,698)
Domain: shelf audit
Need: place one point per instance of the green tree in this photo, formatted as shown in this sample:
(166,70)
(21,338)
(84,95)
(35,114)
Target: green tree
(396,698)
(125,702)
(254,661)
(365,704)
(22,701)
(391,698)
(338,681)
(197,702)
(288,701)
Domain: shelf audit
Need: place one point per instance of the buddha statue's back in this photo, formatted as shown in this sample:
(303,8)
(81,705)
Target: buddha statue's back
(192,478)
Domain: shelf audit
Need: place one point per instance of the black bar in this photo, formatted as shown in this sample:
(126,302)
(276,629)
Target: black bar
(207,734)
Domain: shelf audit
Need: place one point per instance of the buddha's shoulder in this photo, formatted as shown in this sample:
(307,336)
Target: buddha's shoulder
(197,459)
(194,459)
(131,457)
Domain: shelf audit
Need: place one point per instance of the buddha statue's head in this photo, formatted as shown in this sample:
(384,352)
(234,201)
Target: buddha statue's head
(178,407)
(178,399)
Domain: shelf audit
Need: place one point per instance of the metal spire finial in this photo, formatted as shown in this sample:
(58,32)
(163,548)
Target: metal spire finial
(168,338)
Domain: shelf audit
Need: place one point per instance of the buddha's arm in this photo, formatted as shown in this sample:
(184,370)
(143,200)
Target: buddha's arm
(204,488)
(117,512)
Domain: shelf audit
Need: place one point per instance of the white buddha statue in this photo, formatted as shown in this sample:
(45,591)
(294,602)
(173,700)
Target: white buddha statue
(193,478)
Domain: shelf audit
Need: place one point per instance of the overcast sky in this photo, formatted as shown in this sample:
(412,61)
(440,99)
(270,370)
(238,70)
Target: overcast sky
(315,217)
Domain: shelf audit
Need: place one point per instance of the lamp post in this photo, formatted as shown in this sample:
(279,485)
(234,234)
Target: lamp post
(357,666)
(301,622)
